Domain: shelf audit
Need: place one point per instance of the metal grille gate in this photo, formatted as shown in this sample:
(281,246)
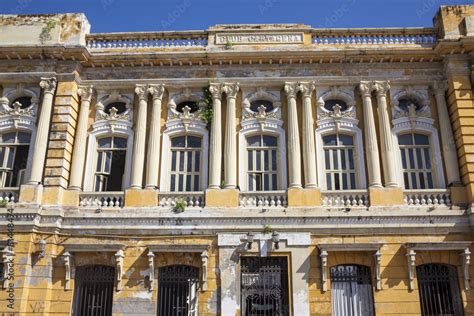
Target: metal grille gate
(439,290)
(264,286)
(351,291)
(93,291)
(177,290)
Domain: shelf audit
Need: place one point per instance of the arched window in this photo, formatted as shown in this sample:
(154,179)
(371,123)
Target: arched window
(111,154)
(177,290)
(438,288)
(185,167)
(14,147)
(93,290)
(262,163)
(351,291)
(340,168)
(415,153)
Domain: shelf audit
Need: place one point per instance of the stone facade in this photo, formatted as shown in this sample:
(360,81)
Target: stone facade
(130,96)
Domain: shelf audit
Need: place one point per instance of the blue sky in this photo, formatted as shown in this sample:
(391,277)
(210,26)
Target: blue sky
(164,15)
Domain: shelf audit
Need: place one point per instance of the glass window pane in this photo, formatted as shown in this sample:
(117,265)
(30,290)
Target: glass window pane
(346,140)
(326,159)
(105,142)
(259,162)
(422,180)
(250,160)
(120,142)
(269,141)
(353,181)
(194,142)
(181,161)
(258,180)
(414,184)
(9,138)
(421,139)
(335,160)
(190,161)
(412,159)
(343,160)
(266,182)
(419,159)
(173,161)
(427,158)
(197,162)
(430,180)
(254,141)
(404,160)
(180,182)
(179,142)
(108,161)
(274,160)
(99,161)
(173,183)
(196,183)
(266,160)
(250,184)
(274,182)
(344,181)
(329,140)
(350,153)
(337,184)
(188,183)
(328,181)
(405,139)
(24,138)
(11,157)
(405,179)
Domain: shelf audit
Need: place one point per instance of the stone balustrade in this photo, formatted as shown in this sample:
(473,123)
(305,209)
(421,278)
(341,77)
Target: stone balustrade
(346,198)
(183,39)
(389,36)
(263,199)
(431,197)
(101,199)
(9,194)
(190,199)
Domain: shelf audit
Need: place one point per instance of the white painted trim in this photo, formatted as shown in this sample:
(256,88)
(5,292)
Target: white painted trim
(423,126)
(348,129)
(177,128)
(270,127)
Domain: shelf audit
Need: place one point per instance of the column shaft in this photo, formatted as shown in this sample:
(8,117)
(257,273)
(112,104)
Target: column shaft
(447,138)
(309,148)
(80,139)
(216,138)
(41,141)
(230,162)
(371,146)
(139,139)
(388,148)
(294,150)
(153,156)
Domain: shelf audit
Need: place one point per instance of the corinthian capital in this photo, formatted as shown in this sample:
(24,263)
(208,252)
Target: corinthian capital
(381,87)
(231,89)
(157,91)
(440,87)
(85,92)
(306,88)
(48,85)
(365,88)
(291,89)
(216,90)
(142,92)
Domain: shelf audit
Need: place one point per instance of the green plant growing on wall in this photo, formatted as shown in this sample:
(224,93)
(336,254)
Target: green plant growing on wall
(206,107)
(3,203)
(267,229)
(228,45)
(180,206)
(46,31)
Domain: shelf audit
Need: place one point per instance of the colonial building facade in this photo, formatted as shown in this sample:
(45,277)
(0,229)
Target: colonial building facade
(241,170)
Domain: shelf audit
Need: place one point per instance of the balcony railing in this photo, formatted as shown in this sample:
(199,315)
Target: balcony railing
(432,197)
(263,199)
(362,37)
(346,198)
(10,195)
(101,199)
(185,39)
(190,199)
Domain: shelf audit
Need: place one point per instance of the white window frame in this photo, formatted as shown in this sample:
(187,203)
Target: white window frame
(347,124)
(25,124)
(422,124)
(263,172)
(103,128)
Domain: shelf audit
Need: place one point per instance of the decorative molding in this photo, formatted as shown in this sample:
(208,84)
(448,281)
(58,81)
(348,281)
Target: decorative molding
(411,260)
(323,255)
(336,117)
(151,265)
(204,263)
(291,89)
(86,93)
(231,89)
(67,258)
(119,257)
(48,85)
(262,117)
(157,91)
(142,92)
(378,270)
(381,87)
(466,261)
(115,96)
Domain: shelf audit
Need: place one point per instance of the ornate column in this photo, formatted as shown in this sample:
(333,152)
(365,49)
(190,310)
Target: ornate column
(309,148)
(41,141)
(388,149)
(294,154)
(230,162)
(449,146)
(153,155)
(215,155)
(371,146)
(139,139)
(80,139)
